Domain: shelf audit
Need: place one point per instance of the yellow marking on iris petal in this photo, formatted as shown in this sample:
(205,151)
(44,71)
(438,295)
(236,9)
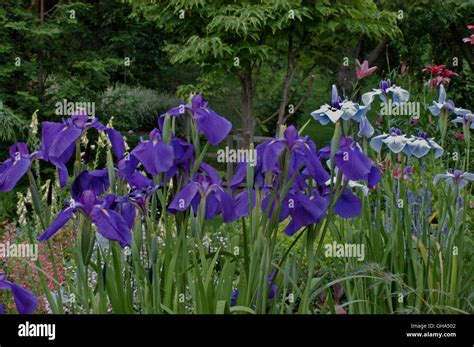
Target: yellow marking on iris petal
(105,212)
(433,219)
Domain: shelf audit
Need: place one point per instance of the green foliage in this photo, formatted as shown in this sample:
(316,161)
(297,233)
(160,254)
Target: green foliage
(77,52)
(251,42)
(11,126)
(8,204)
(461,88)
(432,33)
(133,108)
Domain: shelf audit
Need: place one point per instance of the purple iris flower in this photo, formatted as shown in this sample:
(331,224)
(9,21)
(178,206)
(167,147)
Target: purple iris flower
(272,289)
(233,298)
(127,163)
(139,197)
(204,188)
(15,167)
(420,145)
(155,155)
(181,159)
(456,178)
(26,302)
(303,151)
(100,212)
(58,140)
(354,164)
(209,171)
(183,156)
(127,171)
(212,125)
(303,209)
(95,180)
(241,170)
(207,185)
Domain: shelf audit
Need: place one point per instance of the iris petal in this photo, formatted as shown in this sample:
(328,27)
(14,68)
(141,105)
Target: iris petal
(396,143)
(377,141)
(348,205)
(117,142)
(215,127)
(26,302)
(417,147)
(156,156)
(365,128)
(11,172)
(183,199)
(353,163)
(111,225)
(63,217)
(241,203)
(271,155)
(95,180)
(303,211)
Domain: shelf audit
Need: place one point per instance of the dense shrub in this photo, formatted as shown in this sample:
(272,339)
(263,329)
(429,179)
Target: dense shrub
(11,126)
(133,108)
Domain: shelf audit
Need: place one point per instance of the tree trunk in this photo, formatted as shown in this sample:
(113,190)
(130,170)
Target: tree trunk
(290,71)
(246,106)
(346,76)
(466,48)
(40,54)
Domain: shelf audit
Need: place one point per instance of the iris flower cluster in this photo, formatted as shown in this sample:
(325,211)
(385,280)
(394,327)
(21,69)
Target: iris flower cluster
(113,215)
(292,179)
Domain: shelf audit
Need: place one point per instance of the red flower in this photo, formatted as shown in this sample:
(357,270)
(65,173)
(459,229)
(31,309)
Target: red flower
(448,73)
(442,75)
(435,69)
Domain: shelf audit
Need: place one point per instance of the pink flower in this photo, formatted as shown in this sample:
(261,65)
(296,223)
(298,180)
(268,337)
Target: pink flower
(379,121)
(435,82)
(363,70)
(469,39)
(459,136)
(403,69)
(415,121)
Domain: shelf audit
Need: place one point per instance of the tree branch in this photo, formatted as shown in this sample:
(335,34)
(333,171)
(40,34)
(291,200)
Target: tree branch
(309,87)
